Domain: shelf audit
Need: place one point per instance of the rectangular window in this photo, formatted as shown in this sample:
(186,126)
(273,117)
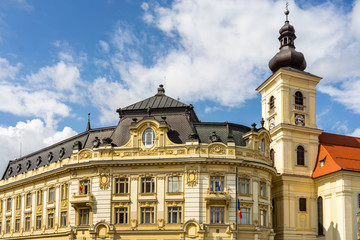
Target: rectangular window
(27,224)
(359,200)
(39,197)
(245,216)
(7,226)
(18,202)
(121,185)
(50,220)
(38,222)
(64,191)
(147,215)
(175,184)
(0,226)
(302,204)
(17,225)
(121,215)
(263,218)
(8,204)
(28,200)
(216,183)
(63,219)
(244,185)
(263,189)
(217,215)
(148,185)
(84,187)
(1,207)
(174,215)
(51,197)
(84,216)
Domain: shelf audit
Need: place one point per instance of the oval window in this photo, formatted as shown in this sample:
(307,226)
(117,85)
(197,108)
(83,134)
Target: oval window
(148,138)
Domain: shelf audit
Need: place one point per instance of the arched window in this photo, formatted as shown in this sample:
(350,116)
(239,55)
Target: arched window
(300,153)
(272,156)
(320,216)
(148,138)
(299,99)
(262,145)
(272,103)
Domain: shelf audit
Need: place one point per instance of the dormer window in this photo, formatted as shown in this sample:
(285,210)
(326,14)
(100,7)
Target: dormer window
(148,138)
(299,99)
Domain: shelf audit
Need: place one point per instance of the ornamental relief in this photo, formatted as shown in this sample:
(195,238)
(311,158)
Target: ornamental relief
(171,203)
(85,155)
(217,149)
(121,204)
(147,204)
(104,181)
(192,177)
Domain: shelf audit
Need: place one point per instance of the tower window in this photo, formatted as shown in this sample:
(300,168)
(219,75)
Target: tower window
(300,154)
(272,103)
(320,216)
(299,99)
(302,204)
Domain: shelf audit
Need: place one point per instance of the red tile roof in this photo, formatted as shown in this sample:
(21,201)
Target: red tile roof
(339,153)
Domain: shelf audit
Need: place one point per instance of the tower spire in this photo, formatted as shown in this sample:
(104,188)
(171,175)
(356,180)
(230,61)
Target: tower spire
(287,56)
(88,128)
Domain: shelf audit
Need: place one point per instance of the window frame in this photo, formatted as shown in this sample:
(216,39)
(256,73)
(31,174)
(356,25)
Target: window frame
(38,220)
(245,216)
(148,180)
(84,214)
(7,226)
(8,204)
(17,225)
(51,196)
(172,210)
(64,191)
(299,98)
(39,197)
(28,200)
(121,211)
(217,213)
(84,187)
(214,183)
(148,133)
(50,220)
(63,219)
(263,218)
(263,189)
(119,182)
(302,204)
(300,155)
(27,224)
(272,103)
(143,213)
(246,184)
(175,181)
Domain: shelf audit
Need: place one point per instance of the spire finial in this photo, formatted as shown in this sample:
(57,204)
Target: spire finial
(287,11)
(88,124)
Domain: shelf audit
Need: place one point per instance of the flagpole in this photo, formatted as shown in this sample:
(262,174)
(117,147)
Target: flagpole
(236,202)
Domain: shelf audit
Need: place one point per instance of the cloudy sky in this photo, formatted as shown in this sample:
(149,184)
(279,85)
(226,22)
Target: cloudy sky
(61,59)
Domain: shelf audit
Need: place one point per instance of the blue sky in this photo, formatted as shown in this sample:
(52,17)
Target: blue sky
(60,60)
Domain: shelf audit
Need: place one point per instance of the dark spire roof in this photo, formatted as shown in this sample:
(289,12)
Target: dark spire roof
(88,127)
(287,56)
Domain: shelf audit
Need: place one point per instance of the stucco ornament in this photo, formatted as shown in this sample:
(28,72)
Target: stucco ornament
(104,181)
(192,177)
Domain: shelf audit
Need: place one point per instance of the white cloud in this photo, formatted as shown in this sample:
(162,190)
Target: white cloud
(27,137)
(104,46)
(8,71)
(356,133)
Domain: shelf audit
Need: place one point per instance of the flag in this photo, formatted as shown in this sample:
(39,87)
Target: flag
(239,209)
(80,187)
(211,188)
(217,186)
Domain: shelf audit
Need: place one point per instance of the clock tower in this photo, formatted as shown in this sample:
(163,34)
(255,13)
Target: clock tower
(289,110)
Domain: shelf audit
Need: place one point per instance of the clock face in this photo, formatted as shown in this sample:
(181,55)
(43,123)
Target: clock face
(300,120)
(271,123)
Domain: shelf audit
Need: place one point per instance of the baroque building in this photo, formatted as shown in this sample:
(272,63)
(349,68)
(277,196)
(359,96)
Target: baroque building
(163,174)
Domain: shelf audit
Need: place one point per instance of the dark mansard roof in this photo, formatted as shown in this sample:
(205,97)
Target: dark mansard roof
(181,118)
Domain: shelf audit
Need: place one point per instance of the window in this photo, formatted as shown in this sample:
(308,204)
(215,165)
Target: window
(64,191)
(148,185)
(174,215)
(27,224)
(7,226)
(0,227)
(322,162)
(272,103)
(300,156)
(148,138)
(359,200)
(216,214)
(51,197)
(320,216)
(147,215)
(302,204)
(263,218)
(245,216)
(84,216)
(217,183)
(63,219)
(299,100)
(50,220)
(121,185)
(39,197)
(272,156)
(17,225)
(18,202)
(262,145)
(8,204)
(1,207)
(84,187)
(28,200)
(38,222)
(244,185)
(121,215)
(175,184)
(263,189)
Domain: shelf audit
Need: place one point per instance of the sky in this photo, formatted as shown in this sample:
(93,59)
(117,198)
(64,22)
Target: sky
(63,59)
